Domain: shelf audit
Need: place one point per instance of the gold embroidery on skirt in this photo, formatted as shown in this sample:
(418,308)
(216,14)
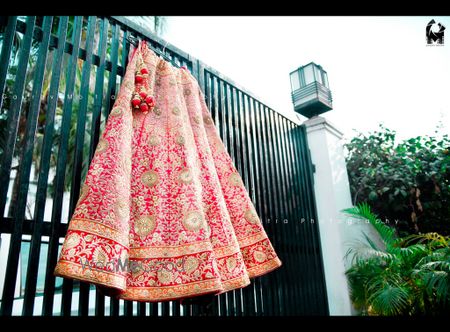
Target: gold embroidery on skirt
(176,111)
(83,192)
(259,256)
(154,140)
(208,120)
(156,110)
(231,264)
(185,176)
(193,221)
(116,111)
(102,145)
(150,178)
(235,179)
(190,264)
(251,216)
(144,225)
(180,140)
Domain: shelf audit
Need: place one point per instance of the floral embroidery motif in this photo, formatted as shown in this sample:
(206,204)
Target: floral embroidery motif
(154,140)
(176,111)
(251,216)
(259,256)
(185,176)
(84,191)
(197,119)
(122,209)
(208,120)
(102,145)
(164,276)
(116,111)
(193,221)
(190,264)
(150,178)
(180,140)
(144,225)
(156,110)
(71,241)
(231,263)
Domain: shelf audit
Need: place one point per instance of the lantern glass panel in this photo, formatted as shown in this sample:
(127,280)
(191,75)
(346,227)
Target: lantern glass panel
(309,74)
(295,82)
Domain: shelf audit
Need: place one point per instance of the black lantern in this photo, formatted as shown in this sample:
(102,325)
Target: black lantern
(311,94)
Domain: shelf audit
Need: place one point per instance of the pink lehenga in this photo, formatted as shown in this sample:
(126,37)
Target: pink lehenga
(163,213)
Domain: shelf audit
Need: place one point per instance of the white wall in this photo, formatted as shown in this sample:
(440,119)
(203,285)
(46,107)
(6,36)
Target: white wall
(332,191)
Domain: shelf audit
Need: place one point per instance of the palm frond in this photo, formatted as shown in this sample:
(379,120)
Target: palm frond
(363,211)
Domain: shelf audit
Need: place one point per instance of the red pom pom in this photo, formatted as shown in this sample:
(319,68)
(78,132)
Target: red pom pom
(138,79)
(136,101)
(150,101)
(142,94)
(144,71)
(144,107)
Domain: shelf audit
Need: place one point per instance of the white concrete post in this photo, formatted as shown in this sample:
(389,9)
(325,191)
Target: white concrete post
(332,193)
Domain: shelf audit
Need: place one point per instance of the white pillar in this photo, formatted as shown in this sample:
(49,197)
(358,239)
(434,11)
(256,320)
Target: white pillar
(332,193)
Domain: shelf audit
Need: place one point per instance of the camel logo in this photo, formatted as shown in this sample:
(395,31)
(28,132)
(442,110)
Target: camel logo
(435,33)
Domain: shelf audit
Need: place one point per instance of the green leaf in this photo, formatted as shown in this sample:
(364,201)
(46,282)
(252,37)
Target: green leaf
(373,195)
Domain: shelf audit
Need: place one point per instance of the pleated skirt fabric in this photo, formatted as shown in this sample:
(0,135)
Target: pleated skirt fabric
(163,213)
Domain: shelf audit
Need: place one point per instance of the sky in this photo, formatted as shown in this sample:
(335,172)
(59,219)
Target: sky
(380,69)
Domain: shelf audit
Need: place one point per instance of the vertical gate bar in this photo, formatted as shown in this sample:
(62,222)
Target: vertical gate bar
(237,107)
(113,74)
(114,307)
(95,125)
(99,303)
(284,205)
(12,128)
(224,125)
(275,167)
(141,309)
(99,82)
(110,97)
(12,123)
(285,226)
(49,289)
(295,255)
(272,281)
(27,150)
(153,309)
(207,80)
(176,308)
(310,249)
(262,194)
(6,54)
(165,308)
(83,302)
(125,51)
(128,308)
(247,292)
(309,246)
(44,166)
(258,189)
(231,149)
(305,245)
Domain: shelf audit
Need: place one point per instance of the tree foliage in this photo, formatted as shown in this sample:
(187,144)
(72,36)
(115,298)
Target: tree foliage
(405,182)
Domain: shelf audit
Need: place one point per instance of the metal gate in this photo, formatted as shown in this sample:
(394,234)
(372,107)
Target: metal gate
(59,77)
